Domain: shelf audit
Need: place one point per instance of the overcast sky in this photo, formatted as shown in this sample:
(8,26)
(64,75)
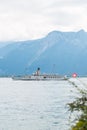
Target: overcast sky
(32,19)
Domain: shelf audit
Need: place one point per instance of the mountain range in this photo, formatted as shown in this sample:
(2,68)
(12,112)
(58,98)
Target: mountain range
(58,52)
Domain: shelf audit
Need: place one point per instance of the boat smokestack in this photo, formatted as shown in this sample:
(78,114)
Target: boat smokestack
(38,71)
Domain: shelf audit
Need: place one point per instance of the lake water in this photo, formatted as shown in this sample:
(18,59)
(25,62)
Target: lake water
(34,105)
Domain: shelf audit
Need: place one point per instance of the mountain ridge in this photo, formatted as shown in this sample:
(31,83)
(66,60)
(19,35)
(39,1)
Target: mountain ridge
(66,51)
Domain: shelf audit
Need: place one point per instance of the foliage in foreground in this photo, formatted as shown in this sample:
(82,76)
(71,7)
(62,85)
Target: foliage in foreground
(80,105)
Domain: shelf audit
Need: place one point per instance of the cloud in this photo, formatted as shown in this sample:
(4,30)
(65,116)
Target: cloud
(25,19)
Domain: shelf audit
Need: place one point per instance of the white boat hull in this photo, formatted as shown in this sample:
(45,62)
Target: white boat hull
(40,77)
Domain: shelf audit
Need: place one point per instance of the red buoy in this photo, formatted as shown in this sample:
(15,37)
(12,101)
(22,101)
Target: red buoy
(74,75)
